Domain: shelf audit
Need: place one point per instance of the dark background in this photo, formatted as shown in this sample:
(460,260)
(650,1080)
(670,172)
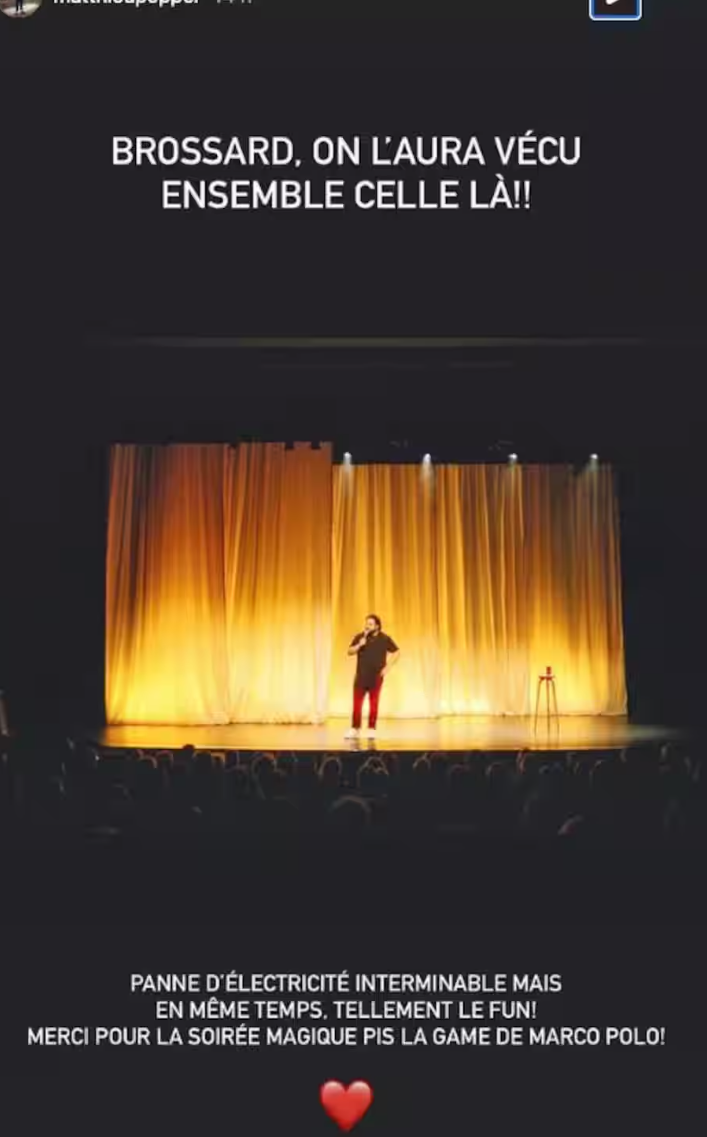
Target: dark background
(609,977)
(611,246)
(270,33)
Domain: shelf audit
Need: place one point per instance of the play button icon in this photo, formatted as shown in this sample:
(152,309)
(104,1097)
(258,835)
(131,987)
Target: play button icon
(616,9)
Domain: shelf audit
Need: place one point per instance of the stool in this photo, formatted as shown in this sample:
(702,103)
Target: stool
(4,724)
(549,680)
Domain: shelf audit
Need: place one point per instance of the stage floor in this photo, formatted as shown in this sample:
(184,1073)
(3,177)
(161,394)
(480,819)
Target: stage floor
(453,734)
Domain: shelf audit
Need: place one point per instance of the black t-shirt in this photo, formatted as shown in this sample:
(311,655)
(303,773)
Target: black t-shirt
(370,661)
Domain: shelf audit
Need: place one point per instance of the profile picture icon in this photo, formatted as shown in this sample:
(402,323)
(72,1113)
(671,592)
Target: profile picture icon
(19,9)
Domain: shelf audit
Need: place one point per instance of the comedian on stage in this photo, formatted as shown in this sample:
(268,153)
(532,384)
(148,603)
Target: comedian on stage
(375,654)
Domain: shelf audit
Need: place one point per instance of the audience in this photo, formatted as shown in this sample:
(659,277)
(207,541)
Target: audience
(73,791)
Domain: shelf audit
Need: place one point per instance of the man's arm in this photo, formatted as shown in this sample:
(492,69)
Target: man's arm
(356,645)
(390,660)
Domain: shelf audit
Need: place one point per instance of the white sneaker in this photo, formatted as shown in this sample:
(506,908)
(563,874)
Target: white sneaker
(353,733)
(372,732)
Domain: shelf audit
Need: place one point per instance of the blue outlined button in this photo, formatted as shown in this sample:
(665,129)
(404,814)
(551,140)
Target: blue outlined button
(616,10)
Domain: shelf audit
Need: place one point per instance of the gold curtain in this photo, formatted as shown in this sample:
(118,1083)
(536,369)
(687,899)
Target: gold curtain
(278,582)
(528,576)
(384,562)
(237,577)
(166,630)
(218,584)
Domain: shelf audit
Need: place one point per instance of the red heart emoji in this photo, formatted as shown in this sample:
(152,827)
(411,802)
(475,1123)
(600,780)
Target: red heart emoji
(346,1105)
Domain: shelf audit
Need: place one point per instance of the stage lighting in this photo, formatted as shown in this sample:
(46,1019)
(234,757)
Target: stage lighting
(512,457)
(427,458)
(593,457)
(347,457)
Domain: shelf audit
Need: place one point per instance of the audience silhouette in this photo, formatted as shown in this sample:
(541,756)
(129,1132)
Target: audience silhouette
(73,790)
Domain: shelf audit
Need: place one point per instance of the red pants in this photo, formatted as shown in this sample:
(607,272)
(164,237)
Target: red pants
(373,700)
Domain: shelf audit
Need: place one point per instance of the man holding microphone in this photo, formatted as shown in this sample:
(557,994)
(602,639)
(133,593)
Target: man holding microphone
(376,653)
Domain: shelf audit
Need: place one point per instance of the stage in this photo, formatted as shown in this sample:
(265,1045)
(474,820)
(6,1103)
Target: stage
(454,734)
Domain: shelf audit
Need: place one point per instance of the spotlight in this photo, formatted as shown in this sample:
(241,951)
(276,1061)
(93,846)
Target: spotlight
(512,457)
(347,457)
(427,458)
(593,457)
